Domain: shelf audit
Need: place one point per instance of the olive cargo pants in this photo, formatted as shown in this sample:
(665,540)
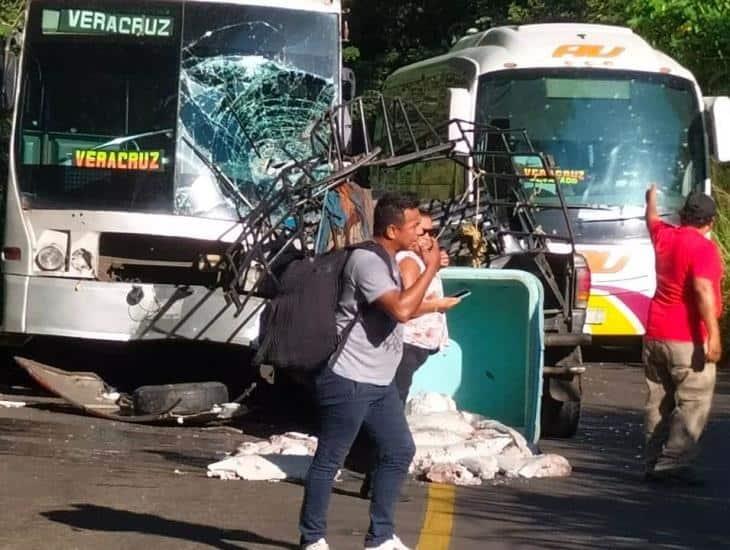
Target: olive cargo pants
(681,386)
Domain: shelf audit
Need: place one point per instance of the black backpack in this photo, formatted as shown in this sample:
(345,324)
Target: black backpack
(298,329)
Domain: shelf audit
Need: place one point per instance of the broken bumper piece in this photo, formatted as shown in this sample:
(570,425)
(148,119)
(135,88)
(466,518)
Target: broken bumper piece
(87,391)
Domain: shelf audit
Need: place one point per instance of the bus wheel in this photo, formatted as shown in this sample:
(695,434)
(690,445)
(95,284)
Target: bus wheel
(191,398)
(559,418)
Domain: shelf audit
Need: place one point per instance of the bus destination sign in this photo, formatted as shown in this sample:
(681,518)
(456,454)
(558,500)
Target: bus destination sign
(94,22)
(146,161)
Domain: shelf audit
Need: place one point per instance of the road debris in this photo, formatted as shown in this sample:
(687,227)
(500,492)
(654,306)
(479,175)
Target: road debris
(286,456)
(452,446)
(181,404)
(12,404)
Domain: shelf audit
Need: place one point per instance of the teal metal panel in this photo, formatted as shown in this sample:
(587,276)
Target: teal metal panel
(493,365)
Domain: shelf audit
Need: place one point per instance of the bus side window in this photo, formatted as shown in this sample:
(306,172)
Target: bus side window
(32,109)
(377,128)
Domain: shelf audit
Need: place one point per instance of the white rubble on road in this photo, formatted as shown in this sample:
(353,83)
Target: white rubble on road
(429,403)
(286,456)
(485,448)
(12,404)
(452,446)
(272,467)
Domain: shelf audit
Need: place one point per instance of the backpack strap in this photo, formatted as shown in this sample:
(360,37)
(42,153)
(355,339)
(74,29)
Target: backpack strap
(343,338)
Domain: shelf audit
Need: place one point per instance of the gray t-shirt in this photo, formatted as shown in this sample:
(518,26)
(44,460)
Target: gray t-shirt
(375,344)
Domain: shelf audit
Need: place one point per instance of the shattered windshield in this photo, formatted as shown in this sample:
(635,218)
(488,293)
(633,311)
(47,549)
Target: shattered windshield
(253,82)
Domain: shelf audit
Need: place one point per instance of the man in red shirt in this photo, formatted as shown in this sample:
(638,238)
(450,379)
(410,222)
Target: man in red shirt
(682,342)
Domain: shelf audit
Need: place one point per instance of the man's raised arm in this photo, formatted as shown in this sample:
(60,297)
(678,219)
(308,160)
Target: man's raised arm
(652,216)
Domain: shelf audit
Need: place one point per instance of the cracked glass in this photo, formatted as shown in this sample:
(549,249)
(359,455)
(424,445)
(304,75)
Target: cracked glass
(250,94)
(188,108)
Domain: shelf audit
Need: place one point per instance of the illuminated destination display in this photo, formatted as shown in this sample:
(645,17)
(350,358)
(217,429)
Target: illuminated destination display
(567,177)
(146,161)
(94,22)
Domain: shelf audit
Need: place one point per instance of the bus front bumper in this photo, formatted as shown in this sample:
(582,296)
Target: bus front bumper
(80,308)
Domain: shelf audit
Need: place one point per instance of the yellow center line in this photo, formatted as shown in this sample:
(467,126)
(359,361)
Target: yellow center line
(439,520)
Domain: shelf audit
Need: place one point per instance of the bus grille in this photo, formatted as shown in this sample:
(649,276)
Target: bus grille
(128,257)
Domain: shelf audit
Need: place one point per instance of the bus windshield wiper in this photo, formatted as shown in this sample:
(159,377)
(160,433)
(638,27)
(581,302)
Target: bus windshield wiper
(557,205)
(623,219)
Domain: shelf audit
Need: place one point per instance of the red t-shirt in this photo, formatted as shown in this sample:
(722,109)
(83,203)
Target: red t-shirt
(682,254)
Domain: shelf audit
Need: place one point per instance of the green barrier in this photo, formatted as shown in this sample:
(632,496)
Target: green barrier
(493,365)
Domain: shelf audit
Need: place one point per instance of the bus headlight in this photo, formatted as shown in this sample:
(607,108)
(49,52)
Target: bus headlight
(50,258)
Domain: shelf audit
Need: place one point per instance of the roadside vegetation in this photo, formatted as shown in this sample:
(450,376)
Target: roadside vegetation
(721,179)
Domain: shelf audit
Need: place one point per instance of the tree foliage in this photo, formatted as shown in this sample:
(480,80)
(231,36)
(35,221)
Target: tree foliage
(695,32)
(387,34)
(392,33)
(10,14)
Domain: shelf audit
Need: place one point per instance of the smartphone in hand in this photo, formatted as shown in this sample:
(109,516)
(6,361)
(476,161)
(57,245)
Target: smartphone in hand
(463,293)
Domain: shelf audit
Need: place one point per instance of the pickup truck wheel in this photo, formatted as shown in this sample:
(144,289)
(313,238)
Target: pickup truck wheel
(194,397)
(559,418)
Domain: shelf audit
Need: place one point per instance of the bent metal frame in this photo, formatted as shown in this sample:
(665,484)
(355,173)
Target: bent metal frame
(285,221)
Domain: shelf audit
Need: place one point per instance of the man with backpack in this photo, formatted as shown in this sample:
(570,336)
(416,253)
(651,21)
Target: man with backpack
(356,387)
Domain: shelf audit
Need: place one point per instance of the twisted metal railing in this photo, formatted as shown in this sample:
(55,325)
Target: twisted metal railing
(491,220)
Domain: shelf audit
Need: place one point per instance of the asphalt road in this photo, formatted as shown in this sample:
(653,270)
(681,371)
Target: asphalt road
(70,481)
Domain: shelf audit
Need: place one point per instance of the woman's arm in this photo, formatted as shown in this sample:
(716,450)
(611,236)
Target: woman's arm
(409,272)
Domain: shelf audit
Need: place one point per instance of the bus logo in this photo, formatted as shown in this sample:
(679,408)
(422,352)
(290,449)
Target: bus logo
(587,50)
(601,261)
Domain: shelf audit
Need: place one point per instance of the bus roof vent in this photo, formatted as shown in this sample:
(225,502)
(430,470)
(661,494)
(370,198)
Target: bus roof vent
(470,40)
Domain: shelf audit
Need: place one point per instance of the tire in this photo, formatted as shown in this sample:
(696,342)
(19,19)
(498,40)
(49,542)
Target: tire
(559,419)
(194,398)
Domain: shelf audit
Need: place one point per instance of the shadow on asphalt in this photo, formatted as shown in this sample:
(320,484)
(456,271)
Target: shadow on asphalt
(101,518)
(606,503)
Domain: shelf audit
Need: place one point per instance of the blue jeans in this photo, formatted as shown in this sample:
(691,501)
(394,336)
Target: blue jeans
(345,406)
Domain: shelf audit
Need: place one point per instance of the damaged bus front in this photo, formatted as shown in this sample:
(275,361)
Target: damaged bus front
(143,132)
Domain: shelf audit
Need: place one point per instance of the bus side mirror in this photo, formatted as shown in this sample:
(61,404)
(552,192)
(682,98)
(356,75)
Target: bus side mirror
(460,120)
(345,112)
(348,84)
(10,67)
(718,112)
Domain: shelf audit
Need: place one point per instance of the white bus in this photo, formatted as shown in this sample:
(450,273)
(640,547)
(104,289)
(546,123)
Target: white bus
(615,115)
(141,130)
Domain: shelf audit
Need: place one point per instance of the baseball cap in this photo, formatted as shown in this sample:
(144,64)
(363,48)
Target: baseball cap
(698,206)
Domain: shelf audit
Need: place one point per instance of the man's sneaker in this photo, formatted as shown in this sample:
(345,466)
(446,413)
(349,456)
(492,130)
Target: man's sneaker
(392,544)
(321,544)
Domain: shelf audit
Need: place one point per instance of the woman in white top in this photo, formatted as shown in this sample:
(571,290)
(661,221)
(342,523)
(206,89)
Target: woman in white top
(426,332)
